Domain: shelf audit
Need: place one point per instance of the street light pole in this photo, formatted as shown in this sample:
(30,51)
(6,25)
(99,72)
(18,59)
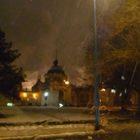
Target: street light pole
(96,68)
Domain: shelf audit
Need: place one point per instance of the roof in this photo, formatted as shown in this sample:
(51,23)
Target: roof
(56,68)
(38,85)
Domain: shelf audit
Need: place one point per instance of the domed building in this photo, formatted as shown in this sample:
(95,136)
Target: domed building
(55,89)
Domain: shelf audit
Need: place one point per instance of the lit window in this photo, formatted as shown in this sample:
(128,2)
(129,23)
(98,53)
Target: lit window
(113,91)
(35,96)
(24,94)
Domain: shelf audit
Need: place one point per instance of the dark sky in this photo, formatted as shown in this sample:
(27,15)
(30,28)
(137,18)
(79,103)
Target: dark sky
(40,27)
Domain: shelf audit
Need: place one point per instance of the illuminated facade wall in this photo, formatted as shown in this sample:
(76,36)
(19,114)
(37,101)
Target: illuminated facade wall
(30,98)
(56,87)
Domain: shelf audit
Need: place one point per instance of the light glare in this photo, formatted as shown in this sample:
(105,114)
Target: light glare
(66,82)
(113,91)
(61,105)
(35,96)
(24,94)
(103,89)
(46,94)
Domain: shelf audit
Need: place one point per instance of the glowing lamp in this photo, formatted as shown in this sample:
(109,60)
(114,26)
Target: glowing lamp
(46,94)
(24,94)
(113,91)
(103,89)
(66,82)
(35,96)
(61,105)
(9,104)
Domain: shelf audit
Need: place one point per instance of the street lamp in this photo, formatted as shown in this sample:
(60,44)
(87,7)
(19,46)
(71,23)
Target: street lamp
(66,82)
(97,78)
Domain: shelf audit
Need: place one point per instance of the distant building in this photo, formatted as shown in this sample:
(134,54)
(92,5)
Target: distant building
(27,86)
(54,90)
(30,97)
(82,96)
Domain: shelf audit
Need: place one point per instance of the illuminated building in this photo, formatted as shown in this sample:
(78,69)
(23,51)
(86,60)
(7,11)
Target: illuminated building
(56,87)
(30,98)
(56,90)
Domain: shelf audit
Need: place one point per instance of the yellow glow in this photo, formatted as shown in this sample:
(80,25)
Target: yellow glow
(66,82)
(24,95)
(103,89)
(35,96)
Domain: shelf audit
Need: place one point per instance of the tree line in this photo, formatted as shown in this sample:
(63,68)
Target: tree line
(11,76)
(119,50)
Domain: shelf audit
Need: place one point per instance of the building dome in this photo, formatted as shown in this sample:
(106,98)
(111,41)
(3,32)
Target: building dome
(56,68)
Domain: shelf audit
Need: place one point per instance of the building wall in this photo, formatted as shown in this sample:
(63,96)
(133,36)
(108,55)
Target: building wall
(51,100)
(82,96)
(30,98)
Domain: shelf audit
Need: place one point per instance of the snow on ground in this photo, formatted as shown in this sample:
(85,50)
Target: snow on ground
(46,131)
(29,122)
(43,122)
(38,114)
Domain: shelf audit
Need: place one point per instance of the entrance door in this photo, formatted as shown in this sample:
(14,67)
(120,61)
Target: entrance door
(61,96)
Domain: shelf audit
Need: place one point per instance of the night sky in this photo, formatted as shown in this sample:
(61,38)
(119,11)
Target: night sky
(39,28)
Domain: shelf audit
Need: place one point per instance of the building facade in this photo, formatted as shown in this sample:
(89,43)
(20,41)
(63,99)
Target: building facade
(55,89)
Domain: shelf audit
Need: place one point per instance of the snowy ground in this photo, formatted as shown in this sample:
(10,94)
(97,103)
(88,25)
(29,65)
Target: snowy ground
(44,131)
(55,123)
(38,114)
(39,122)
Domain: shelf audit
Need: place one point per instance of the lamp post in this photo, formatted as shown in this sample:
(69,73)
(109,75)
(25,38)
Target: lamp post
(97,78)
